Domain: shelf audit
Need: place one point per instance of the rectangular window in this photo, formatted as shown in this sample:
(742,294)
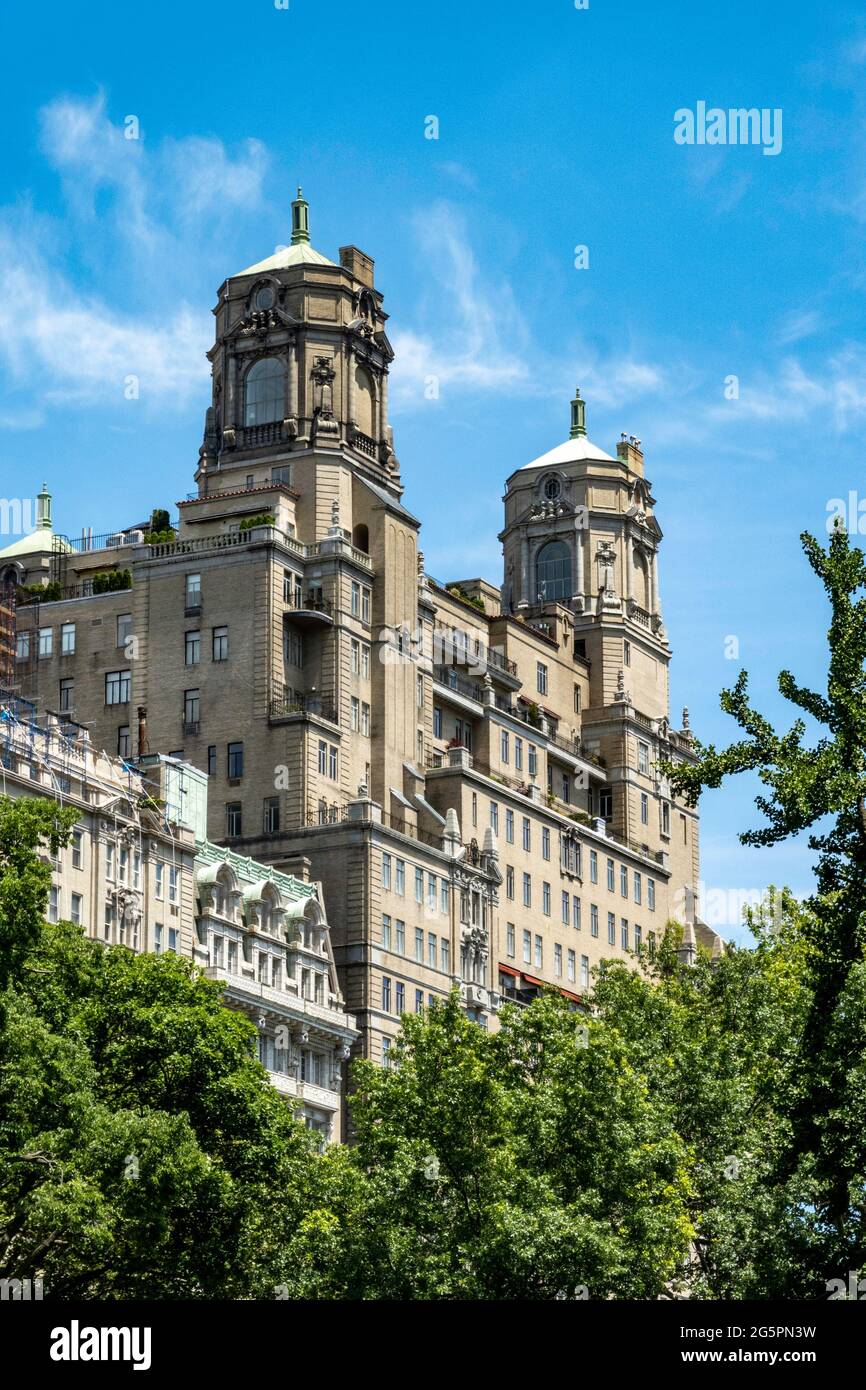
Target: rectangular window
(77,841)
(271,815)
(419,691)
(571,962)
(365,661)
(623,933)
(293,647)
(509,938)
(593,920)
(437,722)
(432,892)
(159,873)
(557,959)
(611,878)
(355,650)
(191,707)
(509,826)
(527,948)
(637,887)
(67,639)
(193,591)
(22,646)
(584,972)
(235,763)
(234,819)
(332,762)
(651,894)
(53,903)
(220,643)
(527,834)
(75,909)
(211,760)
(323,757)
(401,997)
(644,809)
(365,606)
(386,994)
(365,719)
(577,699)
(117,687)
(419,1001)
(443,895)
(626,653)
(172,883)
(419,945)
(527,890)
(386,1054)
(518,753)
(124,741)
(419,885)
(638,936)
(109,859)
(545,899)
(157,938)
(541,677)
(444,956)
(401,877)
(593,866)
(566,907)
(611,929)
(67,696)
(431,950)
(494,817)
(539,953)
(386,871)
(509,882)
(192,648)
(623,881)
(503,745)
(401,937)
(643,758)
(46,641)
(666,818)
(355,714)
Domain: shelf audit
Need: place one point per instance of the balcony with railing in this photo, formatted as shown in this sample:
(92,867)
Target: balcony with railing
(309,610)
(363,443)
(287,703)
(448,677)
(472,653)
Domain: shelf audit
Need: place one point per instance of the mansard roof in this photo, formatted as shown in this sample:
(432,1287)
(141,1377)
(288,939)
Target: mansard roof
(300,254)
(571,451)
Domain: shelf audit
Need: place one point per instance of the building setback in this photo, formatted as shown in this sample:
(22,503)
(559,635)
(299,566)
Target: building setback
(470,771)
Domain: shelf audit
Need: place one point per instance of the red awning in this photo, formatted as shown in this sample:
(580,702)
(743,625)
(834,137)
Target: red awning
(509,971)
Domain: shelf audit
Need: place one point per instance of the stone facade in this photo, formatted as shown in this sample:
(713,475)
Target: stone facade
(471,773)
(140,872)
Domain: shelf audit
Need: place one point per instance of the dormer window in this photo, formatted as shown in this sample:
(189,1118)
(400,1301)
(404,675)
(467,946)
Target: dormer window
(265,392)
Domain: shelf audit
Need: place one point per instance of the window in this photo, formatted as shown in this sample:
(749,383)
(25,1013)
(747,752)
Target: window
(365,661)
(503,745)
(401,997)
(401,937)
(637,887)
(638,936)
(565,787)
(419,945)
(386,993)
(220,643)
(293,647)
(124,741)
(571,962)
(644,809)
(419,1001)
(527,948)
(211,759)
(494,817)
(593,920)
(355,714)
(584,972)
(76,849)
(234,819)
(553,572)
(355,652)
(527,890)
(192,648)
(577,701)
(67,692)
(541,677)
(431,950)
(22,646)
(386,1054)
(432,892)
(593,866)
(46,641)
(509,938)
(626,653)
(53,903)
(365,720)
(545,899)
(117,687)
(611,880)
(386,871)
(643,758)
(191,707)
(157,938)
(236,760)
(566,900)
(159,873)
(509,882)
(365,605)
(76,905)
(419,691)
(356,599)
(575,904)
(545,842)
(263,968)
(533,760)
(264,394)
(651,894)
(172,883)
(623,933)
(509,825)
(623,881)
(684,825)
(527,833)
(109,860)
(193,591)
(323,757)
(518,753)
(557,959)
(67,639)
(539,953)
(611,929)
(271,815)
(443,895)
(666,818)
(444,956)
(280,474)
(437,722)
(605,803)
(419,885)
(332,762)
(401,876)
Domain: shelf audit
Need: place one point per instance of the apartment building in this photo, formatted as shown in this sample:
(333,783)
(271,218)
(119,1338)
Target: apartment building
(140,872)
(472,771)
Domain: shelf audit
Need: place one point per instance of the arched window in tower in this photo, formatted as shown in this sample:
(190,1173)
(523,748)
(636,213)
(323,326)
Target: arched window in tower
(641,581)
(265,394)
(364,402)
(553,572)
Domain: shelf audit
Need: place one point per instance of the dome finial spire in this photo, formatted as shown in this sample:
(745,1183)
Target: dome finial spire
(300,219)
(578,415)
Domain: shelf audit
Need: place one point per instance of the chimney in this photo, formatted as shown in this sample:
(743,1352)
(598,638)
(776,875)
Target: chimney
(357,264)
(629,450)
(142,732)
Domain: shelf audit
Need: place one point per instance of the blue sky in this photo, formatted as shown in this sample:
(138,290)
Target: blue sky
(555,130)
